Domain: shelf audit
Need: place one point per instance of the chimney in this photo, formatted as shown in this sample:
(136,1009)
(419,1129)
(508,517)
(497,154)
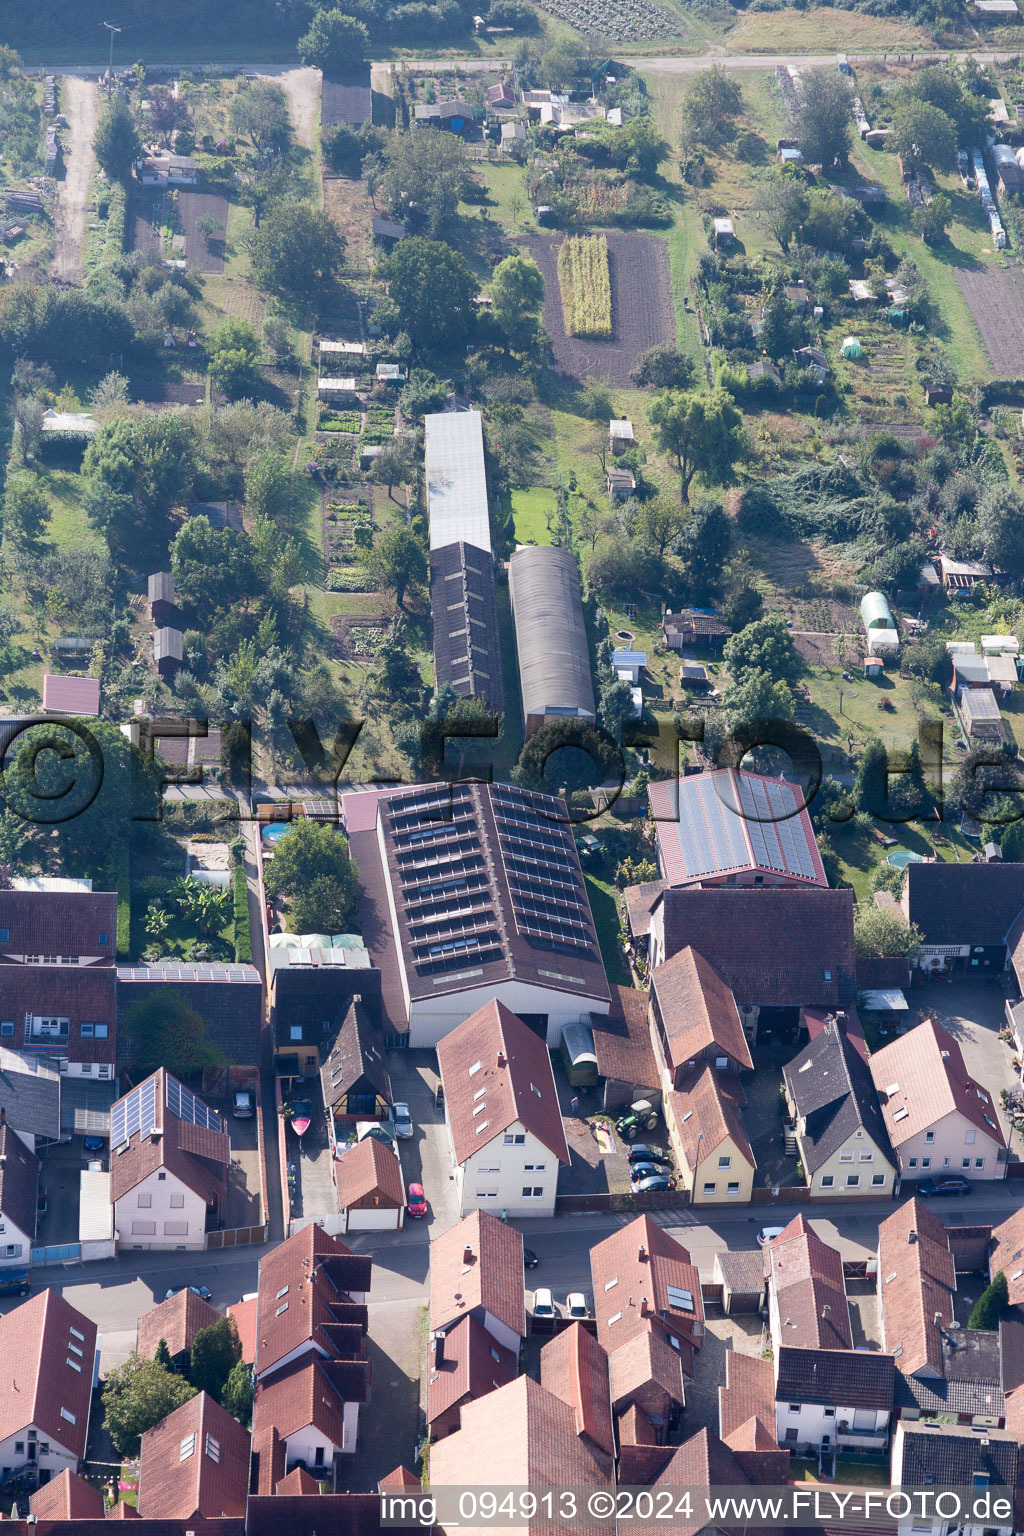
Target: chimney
(938,1319)
(826,1311)
(912,1235)
(467,1255)
(501,1059)
(642,1254)
(644,1306)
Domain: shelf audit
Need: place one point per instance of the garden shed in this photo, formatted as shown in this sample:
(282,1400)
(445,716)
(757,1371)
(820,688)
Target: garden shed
(578,1055)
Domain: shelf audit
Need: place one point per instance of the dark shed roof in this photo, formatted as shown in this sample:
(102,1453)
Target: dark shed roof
(467,647)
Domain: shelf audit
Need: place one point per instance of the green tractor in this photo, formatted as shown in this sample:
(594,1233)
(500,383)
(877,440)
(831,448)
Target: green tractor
(641,1116)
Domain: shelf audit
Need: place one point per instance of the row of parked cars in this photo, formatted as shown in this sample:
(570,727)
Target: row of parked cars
(650,1167)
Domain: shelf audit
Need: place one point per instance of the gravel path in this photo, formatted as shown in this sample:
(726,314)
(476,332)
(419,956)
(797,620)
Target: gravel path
(302,87)
(80,103)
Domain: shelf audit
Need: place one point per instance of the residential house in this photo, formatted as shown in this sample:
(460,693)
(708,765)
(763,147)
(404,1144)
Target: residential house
(312,987)
(715,1158)
(728,827)
(780,947)
(704,1462)
(313,1404)
(938,1118)
(476,1269)
(169,1154)
(965,913)
(1006,1254)
(228,998)
(464,1363)
(574,1367)
(551,638)
(47,1359)
(832,1399)
(19,1188)
(177,1321)
(194,1462)
(505,1133)
(694,1020)
(68,1496)
(520,1435)
(693,627)
(58,978)
(650,1319)
(368,1178)
(840,1132)
(807,1305)
(527,939)
(944,1455)
(916,1287)
(354,1078)
(625,1057)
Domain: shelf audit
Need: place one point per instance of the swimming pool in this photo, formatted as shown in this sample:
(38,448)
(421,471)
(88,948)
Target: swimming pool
(275,832)
(901,857)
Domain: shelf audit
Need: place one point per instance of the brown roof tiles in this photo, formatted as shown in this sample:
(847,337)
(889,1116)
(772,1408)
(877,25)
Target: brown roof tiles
(194,1462)
(47,1349)
(925,1071)
(369,1169)
(478,1263)
(196,1155)
(67,1497)
(575,1368)
(303,1287)
(495,1059)
(807,1278)
(622,1040)
(917,1283)
(472,1363)
(697,1009)
(643,1278)
(300,1395)
(705,1107)
(1007,1254)
(749,1393)
(177,1321)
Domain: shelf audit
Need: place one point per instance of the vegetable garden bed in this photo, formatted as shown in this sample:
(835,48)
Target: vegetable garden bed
(585,285)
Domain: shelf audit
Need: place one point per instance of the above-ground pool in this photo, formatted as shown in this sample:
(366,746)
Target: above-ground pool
(276,830)
(901,857)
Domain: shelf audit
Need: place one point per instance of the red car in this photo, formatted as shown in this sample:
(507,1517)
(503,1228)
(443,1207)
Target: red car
(416,1200)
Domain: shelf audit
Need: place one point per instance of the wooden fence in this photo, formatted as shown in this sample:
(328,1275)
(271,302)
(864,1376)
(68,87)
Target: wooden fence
(238,1237)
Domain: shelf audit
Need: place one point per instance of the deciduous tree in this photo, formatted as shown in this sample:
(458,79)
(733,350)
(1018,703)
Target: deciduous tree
(297,252)
(702,433)
(879,932)
(259,111)
(662,367)
(825,123)
(433,290)
(215,1350)
(923,137)
(117,145)
(166,1030)
(989,1306)
(517,297)
(397,562)
(712,105)
(234,351)
(137,1395)
(311,868)
(336,43)
(783,203)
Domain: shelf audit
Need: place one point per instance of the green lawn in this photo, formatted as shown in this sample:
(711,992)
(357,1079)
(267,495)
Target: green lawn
(604,906)
(530,509)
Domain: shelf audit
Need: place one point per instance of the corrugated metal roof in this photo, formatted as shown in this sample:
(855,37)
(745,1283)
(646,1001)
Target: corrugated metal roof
(456,483)
(554,659)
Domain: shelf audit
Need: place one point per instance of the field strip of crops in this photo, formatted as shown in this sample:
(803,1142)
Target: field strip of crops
(585,285)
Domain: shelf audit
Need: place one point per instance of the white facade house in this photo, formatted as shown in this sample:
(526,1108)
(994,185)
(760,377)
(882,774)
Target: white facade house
(505,1132)
(955,1456)
(810,1387)
(161,1212)
(47,1359)
(168,1161)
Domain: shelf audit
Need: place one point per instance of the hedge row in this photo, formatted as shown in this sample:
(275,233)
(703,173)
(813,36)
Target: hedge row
(243,933)
(123,886)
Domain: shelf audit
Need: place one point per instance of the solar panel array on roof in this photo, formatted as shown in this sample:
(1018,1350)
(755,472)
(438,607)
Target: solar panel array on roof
(548,898)
(207,971)
(729,820)
(135,1112)
(711,838)
(187,1107)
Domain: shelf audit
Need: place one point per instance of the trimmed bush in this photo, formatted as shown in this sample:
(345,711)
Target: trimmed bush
(243,932)
(122,882)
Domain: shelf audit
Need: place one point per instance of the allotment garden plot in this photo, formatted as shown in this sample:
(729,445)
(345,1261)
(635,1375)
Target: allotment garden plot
(641,304)
(995,297)
(165,226)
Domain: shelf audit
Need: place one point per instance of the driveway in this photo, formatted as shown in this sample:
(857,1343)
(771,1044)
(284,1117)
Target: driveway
(973,1013)
(425,1158)
(762,1117)
(309,1160)
(80,104)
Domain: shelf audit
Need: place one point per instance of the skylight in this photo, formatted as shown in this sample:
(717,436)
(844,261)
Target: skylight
(901,1114)
(187,1448)
(677,1297)
(482,1126)
(475,1068)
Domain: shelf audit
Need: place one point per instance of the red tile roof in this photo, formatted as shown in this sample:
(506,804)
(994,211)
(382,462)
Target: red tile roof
(646,1359)
(926,1072)
(194,1462)
(244,1314)
(807,1277)
(71,695)
(472,1364)
(703,1461)
(478,1263)
(196,1155)
(749,1393)
(369,1169)
(697,1009)
(300,1395)
(268,1458)
(304,1283)
(67,1497)
(176,1320)
(1007,1254)
(521,1434)
(916,1282)
(705,1107)
(298,1484)
(495,1060)
(637,1265)
(38,1340)
(622,1040)
(78,993)
(401,1477)
(575,1368)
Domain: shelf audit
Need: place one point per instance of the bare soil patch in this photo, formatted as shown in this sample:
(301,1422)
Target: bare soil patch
(80,103)
(302,87)
(170,392)
(995,297)
(642,313)
(349,206)
(204,252)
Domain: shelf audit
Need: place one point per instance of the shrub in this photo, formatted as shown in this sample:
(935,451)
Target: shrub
(243,932)
(123,885)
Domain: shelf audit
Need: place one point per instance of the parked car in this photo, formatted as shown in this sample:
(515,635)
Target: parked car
(197,1290)
(641,1116)
(644,1170)
(769,1234)
(242,1106)
(416,1200)
(941,1186)
(651,1182)
(641,1152)
(403,1120)
(530,1259)
(576,1304)
(15,1282)
(95,1143)
(543,1303)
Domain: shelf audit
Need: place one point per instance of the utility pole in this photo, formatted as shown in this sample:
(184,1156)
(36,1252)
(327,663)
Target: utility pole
(110,67)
